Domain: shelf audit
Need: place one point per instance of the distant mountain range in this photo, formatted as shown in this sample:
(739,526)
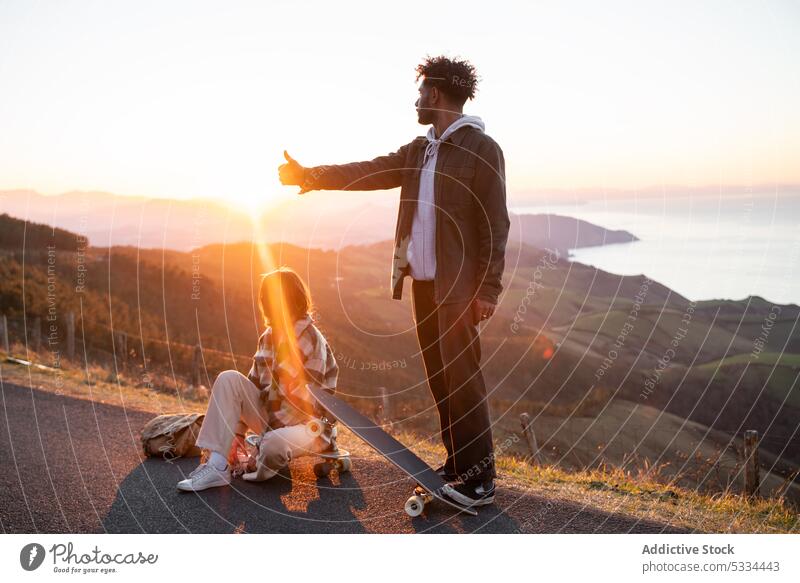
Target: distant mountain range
(321,220)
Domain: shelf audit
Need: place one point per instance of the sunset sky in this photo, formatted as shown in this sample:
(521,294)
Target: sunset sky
(184,99)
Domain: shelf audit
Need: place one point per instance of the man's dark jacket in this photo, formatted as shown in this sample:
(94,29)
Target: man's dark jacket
(471,215)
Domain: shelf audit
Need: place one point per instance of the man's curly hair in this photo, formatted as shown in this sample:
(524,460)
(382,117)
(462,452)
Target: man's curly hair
(455,78)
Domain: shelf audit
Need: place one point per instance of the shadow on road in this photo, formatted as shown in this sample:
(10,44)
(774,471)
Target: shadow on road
(291,502)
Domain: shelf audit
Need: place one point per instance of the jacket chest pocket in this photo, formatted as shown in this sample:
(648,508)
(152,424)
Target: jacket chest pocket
(456,184)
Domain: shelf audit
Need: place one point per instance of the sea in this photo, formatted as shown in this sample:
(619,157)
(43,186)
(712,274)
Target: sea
(702,246)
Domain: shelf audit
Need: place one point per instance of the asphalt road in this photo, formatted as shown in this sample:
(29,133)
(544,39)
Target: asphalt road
(71,465)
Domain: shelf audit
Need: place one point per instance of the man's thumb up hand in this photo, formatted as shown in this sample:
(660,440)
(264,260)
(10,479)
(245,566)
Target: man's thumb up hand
(292,173)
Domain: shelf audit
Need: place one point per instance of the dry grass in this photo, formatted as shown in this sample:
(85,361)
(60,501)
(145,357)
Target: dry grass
(640,495)
(153,394)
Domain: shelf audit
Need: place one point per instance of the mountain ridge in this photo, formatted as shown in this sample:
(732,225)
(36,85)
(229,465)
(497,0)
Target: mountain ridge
(112,220)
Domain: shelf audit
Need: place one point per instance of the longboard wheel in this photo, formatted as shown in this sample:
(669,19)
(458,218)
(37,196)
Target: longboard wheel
(345,465)
(322,469)
(414,506)
(314,428)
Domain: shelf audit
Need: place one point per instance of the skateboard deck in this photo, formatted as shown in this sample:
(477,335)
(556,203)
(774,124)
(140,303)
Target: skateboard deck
(386,445)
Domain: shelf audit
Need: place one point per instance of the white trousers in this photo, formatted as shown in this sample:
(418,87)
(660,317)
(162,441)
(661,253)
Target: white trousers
(234,407)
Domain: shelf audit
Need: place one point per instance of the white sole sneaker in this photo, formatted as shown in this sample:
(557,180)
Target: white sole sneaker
(261,475)
(481,500)
(203,477)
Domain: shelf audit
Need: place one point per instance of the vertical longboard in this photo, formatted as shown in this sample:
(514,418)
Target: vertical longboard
(391,449)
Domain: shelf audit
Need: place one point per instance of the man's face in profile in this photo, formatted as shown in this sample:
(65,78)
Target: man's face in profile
(424,106)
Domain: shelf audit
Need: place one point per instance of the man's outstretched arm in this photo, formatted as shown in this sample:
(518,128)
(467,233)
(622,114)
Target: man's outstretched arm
(380,173)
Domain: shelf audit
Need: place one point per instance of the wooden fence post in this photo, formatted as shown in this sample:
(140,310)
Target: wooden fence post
(752,480)
(36,334)
(71,335)
(197,361)
(385,405)
(4,324)
(122,349)
(527,431)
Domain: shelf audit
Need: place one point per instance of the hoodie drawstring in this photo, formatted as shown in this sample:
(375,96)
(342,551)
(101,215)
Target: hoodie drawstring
(432,149)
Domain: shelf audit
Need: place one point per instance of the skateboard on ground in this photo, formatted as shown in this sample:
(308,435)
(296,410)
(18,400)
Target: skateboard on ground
(332,458)
(430,485)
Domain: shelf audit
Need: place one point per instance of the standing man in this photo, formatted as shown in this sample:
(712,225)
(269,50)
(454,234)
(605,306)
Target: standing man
(450,238)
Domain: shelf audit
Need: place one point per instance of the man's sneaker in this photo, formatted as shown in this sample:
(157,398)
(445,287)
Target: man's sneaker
(205,476)
(472,493)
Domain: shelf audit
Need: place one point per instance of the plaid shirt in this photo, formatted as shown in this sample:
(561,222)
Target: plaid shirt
(283,372)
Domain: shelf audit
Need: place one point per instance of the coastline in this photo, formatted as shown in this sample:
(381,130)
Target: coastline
(703,247)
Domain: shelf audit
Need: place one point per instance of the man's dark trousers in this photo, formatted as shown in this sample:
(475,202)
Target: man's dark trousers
(451,352)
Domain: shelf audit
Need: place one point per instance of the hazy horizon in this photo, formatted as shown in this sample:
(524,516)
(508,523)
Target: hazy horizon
(697,245)
(542,196)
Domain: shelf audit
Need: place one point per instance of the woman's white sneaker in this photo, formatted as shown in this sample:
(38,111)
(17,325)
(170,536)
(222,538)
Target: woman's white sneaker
(203,477)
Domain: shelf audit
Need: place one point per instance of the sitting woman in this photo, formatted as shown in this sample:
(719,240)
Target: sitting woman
(272,399)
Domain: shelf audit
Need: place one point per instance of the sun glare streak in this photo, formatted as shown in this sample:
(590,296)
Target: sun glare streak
(281,322)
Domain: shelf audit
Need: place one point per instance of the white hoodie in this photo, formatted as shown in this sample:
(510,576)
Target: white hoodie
(422,247)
